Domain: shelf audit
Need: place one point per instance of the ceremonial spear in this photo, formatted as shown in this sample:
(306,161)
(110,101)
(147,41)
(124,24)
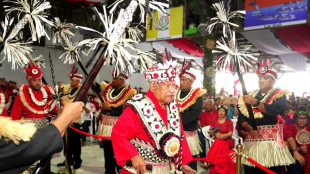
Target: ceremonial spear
(231,57)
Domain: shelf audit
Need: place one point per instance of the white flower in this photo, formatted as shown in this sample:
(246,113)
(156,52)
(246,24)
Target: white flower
(148,110)
(34,71)
(149,76)
(171,72)
(156,126)
(174,123)
(137,97)
(173,107)
(164,75)
(172,147)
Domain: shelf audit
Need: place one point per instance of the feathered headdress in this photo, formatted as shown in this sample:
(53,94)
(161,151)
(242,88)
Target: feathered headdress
(163,72)
(74,75)
(33,71)
(186,71)
(120,75)
(265,69)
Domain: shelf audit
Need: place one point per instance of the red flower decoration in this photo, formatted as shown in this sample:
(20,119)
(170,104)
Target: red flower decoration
(173,72)
(148,111)
(174,123)
(155,76)
(157,126)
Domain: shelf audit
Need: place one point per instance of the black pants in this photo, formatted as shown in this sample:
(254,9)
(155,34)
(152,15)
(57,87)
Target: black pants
(85,128)
(109,157)
(256,170)
(74,145)
(295,168)
(203,144)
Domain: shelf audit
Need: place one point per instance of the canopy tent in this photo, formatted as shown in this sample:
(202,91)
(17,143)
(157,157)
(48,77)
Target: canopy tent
(267,41)
(180,48)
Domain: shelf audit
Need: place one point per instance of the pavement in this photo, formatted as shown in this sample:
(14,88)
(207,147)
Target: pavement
(93,161)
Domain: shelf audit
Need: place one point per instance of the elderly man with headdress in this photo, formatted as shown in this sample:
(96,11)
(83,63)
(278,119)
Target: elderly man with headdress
(114,95)
(35,100)
(265,145)
(190,102)
(149,136)
(70,91)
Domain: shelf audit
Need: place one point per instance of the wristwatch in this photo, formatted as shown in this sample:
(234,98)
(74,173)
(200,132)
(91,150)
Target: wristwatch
(296,150)
(256,103)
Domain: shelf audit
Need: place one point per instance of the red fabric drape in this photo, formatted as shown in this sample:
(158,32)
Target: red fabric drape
(297,37)
(222,165)
(187,46)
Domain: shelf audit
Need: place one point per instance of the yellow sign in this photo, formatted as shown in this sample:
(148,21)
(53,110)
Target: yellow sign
(169,26)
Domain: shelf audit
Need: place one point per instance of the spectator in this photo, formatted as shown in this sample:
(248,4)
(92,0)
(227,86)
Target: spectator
(222,130)
(300,151)
(85,118)
(217,102)
(209,114)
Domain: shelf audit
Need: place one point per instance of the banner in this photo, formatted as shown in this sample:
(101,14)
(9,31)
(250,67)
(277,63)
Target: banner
(274,13)
(168,26)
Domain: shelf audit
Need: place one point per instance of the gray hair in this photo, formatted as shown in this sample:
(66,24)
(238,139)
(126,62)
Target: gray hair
(209,100)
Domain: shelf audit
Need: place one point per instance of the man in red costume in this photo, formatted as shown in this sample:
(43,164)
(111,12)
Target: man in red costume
(149,134)
(114,95)
(35,100)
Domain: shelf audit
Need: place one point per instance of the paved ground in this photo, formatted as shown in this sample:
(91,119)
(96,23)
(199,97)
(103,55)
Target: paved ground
(93,161)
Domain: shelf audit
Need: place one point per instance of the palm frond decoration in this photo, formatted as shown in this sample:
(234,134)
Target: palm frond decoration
(63,35)
(71,54)
(231,56)
(133,32)
(39,60)
(61,31)
(145,6)
(16,53)
(34,14)
(13,50)
(114,38)
(223,18)
(144,60)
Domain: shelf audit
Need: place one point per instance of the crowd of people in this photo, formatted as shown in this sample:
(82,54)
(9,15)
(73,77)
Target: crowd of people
(152,130)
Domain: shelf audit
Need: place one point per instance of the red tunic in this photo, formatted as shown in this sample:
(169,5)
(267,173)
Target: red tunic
(206,118)
(291,131)
(128,126)
(19,110)
(226,127)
